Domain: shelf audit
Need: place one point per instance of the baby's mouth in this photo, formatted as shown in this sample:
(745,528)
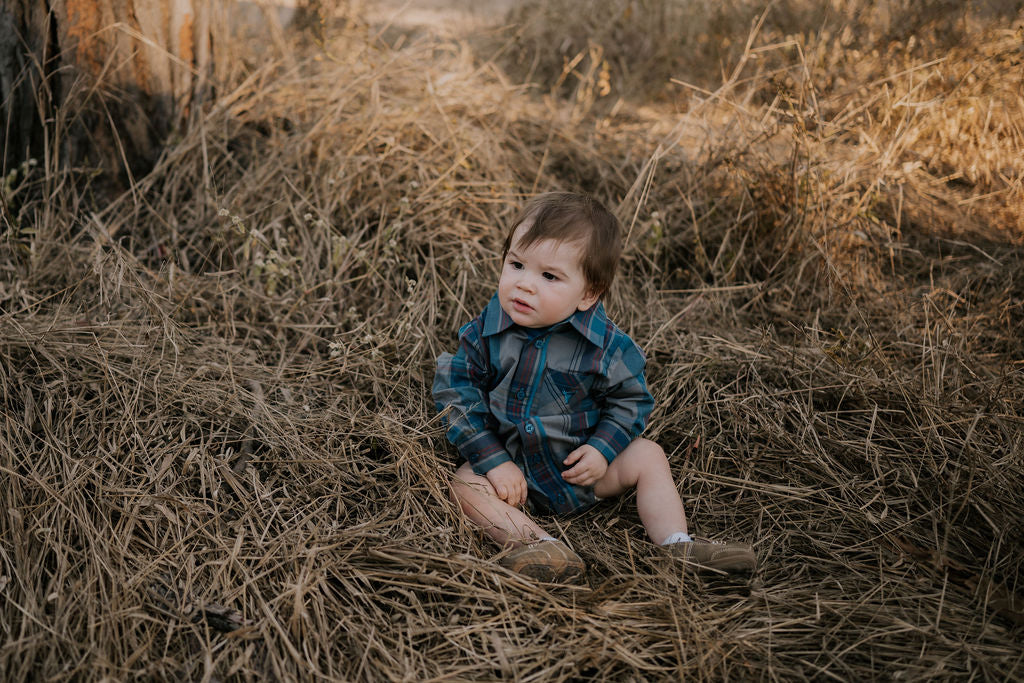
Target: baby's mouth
(521,305)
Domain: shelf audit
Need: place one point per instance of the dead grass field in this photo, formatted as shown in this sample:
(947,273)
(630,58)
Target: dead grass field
(218,455)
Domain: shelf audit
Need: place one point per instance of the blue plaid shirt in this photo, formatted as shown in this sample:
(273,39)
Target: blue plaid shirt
(534,395)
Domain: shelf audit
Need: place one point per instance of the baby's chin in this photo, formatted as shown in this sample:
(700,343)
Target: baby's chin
(521,319)
(529,320)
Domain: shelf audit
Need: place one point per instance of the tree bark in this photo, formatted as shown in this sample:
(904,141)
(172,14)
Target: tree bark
(102,83)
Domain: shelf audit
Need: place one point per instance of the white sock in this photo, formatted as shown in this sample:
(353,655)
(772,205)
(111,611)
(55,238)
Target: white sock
(677,537)
(547,538)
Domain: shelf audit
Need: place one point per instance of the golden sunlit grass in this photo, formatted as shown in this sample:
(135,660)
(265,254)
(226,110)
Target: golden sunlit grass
(219,454)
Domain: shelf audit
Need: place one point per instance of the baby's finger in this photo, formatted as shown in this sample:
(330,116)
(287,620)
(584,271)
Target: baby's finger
(574,475)
(582,480)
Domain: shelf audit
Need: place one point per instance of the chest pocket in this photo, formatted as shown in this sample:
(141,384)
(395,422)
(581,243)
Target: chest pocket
(573,389)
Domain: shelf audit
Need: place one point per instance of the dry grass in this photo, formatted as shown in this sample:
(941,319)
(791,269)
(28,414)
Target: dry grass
(220,460)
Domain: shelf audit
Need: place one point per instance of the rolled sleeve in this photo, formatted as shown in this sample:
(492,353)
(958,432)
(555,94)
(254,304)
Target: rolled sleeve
(484,452)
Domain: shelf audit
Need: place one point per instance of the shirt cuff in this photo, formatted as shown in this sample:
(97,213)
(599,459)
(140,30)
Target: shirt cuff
(609,439)
(484,452)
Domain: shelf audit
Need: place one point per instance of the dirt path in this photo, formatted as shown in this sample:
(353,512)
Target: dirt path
(444,17)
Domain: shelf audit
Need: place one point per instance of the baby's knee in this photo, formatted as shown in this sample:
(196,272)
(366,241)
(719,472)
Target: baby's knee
(649,452)
(453,491)
(650,459)
(462,494)
(466,485)
(642,459)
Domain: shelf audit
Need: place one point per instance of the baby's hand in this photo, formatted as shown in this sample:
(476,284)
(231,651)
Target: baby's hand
(588,466)
(508,482)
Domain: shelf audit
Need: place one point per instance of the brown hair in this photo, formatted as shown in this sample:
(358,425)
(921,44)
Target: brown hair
(570,217)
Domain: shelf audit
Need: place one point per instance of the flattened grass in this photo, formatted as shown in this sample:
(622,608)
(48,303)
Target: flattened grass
(219,455)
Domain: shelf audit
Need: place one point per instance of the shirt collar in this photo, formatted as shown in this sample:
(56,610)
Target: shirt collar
(591,323)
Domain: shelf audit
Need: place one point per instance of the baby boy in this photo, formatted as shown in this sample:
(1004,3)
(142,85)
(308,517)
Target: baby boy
(545,400)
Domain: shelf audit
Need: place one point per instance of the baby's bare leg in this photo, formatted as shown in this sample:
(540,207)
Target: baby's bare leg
(643,465)
(502,523)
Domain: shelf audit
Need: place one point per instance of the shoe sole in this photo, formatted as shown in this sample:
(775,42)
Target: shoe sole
(547,574)
(734,566)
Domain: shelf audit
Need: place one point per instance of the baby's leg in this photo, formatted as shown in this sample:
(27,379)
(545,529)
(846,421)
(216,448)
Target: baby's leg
(501,522)
(643,465)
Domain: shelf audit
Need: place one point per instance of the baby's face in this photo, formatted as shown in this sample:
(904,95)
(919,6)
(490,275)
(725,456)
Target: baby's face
(543,284)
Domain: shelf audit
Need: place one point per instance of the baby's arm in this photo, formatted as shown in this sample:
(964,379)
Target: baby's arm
(460,392)
(625,400)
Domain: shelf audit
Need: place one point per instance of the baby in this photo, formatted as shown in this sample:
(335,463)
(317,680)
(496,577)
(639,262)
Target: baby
(545,400)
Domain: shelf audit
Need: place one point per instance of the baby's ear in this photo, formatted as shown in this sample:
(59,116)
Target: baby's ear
(589,299)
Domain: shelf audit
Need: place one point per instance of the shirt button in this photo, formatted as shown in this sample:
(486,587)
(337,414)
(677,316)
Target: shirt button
(529,429)
(539,343)
(521,394)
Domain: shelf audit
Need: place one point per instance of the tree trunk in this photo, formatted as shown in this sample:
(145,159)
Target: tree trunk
(102,83)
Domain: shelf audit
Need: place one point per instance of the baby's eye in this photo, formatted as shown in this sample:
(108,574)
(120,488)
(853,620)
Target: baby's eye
(516,264)
(550,277)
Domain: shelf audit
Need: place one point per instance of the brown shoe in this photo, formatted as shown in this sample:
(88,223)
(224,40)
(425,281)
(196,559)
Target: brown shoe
(724,558)
(549,561)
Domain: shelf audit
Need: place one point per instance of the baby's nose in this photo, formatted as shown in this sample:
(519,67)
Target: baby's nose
(526,282)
